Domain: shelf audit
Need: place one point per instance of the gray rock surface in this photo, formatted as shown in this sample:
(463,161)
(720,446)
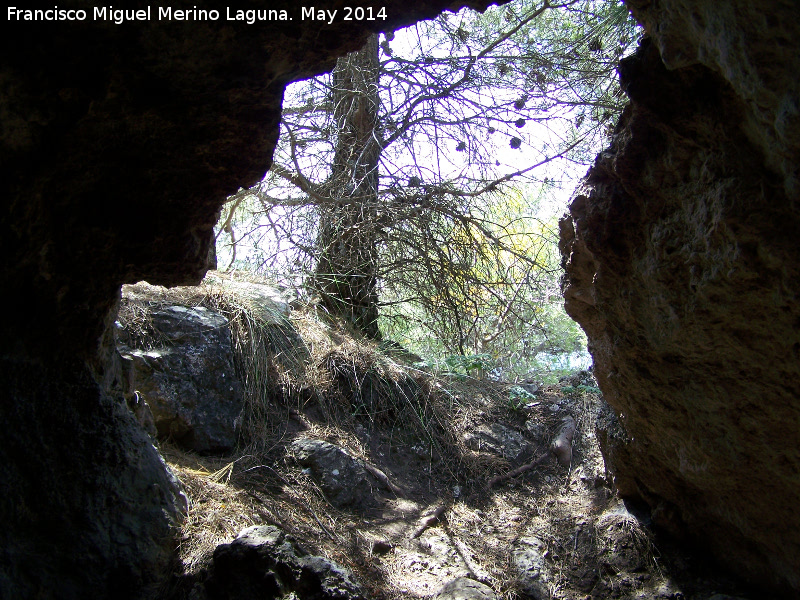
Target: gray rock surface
(263,562)
(529,562)
(537,430)
(342,477)
(465,588)
(188,381)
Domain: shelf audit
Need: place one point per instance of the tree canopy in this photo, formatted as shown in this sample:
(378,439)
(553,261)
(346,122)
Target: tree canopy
(406,184)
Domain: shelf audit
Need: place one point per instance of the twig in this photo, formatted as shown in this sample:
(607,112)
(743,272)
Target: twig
(381,476)
(519,471)
(313,514)
(429,521)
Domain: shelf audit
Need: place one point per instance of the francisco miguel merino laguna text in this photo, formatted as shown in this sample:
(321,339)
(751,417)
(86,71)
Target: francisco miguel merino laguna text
(167,13)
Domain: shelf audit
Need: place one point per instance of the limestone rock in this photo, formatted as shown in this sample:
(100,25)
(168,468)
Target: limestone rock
(188,382)
(464,588)
(528,557)
(263,562)
(343,478)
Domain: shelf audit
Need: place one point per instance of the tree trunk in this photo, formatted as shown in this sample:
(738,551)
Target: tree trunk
(347,241)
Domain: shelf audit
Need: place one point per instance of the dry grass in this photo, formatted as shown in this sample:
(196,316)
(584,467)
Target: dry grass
(217,513)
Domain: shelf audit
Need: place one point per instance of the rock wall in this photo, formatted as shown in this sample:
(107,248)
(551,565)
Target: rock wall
(87,504)
(683,267)
(118,145)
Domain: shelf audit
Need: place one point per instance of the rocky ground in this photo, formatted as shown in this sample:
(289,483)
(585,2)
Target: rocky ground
(551,532)
(359,475)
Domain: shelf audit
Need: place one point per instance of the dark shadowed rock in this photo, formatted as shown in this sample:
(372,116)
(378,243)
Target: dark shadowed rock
(683,268)
(87,502)
(613,439)
(138,405)
(188,381)
(343,478)
(263,562)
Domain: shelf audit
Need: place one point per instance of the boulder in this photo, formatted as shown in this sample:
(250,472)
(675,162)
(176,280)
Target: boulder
(343,478)
(188,381)
(683,268)
(263,562)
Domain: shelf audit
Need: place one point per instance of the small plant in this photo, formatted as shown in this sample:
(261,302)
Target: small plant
(589,389)
(518,397)
(586,389)
(459,364)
